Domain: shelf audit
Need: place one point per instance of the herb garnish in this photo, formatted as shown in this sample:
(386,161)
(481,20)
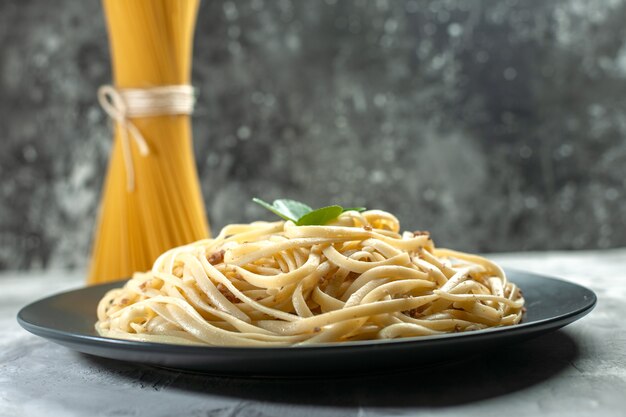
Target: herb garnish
(303,215)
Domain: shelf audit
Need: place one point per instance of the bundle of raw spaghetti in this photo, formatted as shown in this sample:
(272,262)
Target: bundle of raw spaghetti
(265,284)
(152,200)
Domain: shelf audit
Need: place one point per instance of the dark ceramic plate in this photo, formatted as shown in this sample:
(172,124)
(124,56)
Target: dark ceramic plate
(68,319)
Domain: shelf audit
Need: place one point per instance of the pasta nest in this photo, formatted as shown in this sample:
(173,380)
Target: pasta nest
(275,283)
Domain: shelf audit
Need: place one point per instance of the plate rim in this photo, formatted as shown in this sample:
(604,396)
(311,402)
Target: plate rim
(137,346)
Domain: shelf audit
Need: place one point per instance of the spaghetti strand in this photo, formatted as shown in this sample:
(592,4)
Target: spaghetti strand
(269,284)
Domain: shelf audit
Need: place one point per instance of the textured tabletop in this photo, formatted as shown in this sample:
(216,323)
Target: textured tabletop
(576,371)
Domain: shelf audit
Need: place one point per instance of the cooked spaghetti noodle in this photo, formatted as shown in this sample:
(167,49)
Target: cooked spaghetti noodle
(266,284)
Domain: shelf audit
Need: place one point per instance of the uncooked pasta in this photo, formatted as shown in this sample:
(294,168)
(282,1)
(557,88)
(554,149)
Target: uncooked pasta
(151,197)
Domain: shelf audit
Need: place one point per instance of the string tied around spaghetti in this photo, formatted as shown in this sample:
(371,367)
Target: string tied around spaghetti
(124,104)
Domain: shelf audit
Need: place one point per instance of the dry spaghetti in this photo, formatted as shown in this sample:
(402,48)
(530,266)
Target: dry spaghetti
(265,284)
(151,199)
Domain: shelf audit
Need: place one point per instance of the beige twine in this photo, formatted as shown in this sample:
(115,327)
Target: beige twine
(123,104)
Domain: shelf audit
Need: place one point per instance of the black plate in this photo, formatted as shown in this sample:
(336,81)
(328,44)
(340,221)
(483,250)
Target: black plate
(68,319)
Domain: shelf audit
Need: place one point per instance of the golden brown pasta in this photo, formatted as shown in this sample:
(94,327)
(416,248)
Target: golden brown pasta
(151,43)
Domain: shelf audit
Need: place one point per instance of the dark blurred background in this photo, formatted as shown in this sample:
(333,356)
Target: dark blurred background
(497,125)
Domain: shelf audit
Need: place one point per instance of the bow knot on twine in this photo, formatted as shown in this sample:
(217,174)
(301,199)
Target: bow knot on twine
(124,104)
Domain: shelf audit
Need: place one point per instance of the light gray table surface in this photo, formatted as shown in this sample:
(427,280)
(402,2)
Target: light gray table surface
(579,370)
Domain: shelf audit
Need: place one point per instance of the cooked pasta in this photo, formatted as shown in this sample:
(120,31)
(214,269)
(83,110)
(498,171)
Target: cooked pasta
(151,43)
(267,284)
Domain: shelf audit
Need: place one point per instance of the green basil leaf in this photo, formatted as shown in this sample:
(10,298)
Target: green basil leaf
(272,209)
(291,208)
(286,209)
(301,214)
(359,209)
(320,216)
